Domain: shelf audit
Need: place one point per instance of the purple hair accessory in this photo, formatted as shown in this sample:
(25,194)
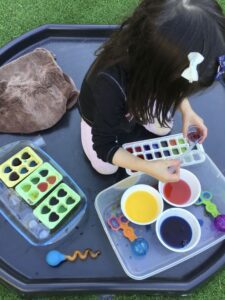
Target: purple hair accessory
(221,68)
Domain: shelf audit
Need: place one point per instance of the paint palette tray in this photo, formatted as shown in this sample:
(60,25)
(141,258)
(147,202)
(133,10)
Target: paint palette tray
(19,166)
(57,206)
(159,258)
(168,147)
(19,205)
(38,184)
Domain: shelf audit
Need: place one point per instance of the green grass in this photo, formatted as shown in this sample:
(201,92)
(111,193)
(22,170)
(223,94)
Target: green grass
(20,16)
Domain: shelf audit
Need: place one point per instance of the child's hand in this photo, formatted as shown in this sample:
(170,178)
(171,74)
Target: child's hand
(160,169)
(190,118)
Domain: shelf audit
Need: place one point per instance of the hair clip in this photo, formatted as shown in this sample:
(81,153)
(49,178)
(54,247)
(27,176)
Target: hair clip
(191,73)
(221,68)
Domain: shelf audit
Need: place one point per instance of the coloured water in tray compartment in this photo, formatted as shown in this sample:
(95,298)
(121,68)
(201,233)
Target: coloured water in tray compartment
(168,147)
(57,206)
(19,166)
(38,184)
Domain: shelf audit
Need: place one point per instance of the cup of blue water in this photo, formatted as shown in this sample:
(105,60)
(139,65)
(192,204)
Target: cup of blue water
(178,230)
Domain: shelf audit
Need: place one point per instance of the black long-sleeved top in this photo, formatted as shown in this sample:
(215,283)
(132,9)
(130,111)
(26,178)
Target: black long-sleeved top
(102,104)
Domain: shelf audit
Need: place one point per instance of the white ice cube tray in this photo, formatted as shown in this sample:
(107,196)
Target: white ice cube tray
(167,147)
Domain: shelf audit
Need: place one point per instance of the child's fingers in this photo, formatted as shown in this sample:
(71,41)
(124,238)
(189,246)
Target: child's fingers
(173,163)
(173,168)
(204,133)
(174,177)
(185,130)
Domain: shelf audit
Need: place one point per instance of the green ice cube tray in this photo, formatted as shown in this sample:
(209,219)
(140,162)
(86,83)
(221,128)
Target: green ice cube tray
(56,207)
(38,184)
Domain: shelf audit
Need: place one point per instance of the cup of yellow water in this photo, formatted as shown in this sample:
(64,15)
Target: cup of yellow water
(141,204)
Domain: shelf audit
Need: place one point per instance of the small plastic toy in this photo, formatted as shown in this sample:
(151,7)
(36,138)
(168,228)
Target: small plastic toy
(139,245)
(55,258)
(206,200)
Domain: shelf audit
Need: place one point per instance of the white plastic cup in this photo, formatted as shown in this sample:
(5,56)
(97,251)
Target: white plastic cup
(143,188)
(189,218)
(193,183)
(194,134)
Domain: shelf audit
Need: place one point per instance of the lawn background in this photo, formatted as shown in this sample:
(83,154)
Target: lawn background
(20,16)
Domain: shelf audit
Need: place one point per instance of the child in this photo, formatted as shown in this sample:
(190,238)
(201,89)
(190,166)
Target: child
(166,51)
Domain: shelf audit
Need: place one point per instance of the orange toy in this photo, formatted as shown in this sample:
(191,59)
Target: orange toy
(121,223)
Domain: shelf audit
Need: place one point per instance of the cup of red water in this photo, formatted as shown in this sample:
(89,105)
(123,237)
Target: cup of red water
(183,193)
(194,135)
(178,230)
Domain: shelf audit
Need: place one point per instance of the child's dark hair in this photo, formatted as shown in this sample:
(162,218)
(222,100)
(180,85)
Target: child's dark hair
(153,46)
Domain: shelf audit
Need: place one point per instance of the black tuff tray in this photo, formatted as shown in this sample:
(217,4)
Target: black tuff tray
(22,265)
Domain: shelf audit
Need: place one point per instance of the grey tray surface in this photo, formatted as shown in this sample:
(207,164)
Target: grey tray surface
(22,265)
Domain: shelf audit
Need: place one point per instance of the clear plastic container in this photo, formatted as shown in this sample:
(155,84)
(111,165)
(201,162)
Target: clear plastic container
(159,258)
(20,215)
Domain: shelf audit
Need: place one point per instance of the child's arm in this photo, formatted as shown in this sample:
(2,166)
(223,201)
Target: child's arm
(158,169)
(190,118)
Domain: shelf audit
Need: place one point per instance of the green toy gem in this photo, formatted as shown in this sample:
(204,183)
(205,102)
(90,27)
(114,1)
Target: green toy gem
(210,207)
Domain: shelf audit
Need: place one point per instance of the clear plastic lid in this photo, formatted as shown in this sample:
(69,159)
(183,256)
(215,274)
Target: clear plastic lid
(158,258)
